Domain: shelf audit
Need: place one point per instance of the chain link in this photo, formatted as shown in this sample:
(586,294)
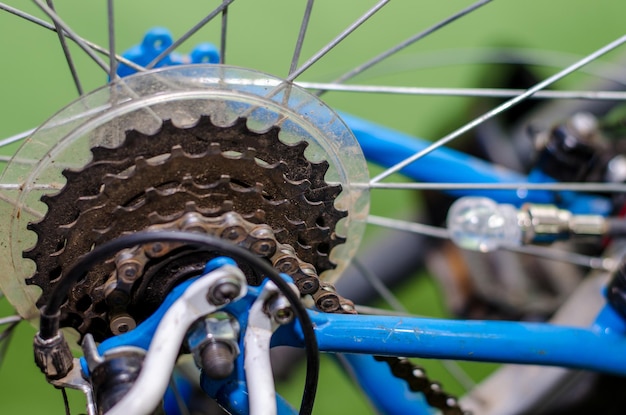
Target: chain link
(214,172)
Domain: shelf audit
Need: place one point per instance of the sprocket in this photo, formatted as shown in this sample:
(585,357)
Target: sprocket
(218,169)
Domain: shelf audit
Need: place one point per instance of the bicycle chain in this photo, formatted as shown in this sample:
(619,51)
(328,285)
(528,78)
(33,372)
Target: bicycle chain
(226,181)
(233,227)
(220,169)
(417,380)
(132,264)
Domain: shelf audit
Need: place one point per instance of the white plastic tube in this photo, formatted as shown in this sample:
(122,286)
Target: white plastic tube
(257,365)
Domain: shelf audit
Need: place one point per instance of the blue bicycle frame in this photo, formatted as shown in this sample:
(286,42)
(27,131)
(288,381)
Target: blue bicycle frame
(357,336)
(598,347)
(386,147)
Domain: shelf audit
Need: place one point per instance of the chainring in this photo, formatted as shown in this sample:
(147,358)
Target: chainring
(218,169)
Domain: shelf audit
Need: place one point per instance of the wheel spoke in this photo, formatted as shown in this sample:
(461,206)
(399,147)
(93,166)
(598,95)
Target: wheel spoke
(10,320)
(455,370)
(499,109)
(111,32)
(303,27)
(380,288)
(15,138)
(11,323)
(604,264)
(189,33)
(419,228)
(576,187)
(24,208)
(409,41)
(510,56)
(223,35)
(601,264)
(71,34)
(337,40)
(66,402)
(66,52)
(465,92)
(51,27)
(18,186)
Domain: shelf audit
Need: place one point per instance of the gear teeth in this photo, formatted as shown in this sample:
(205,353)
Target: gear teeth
(177,152)
(187,181)
(65,229)
(153,218)
(109,179)
(318,172)
(152,195)
(257,188)
(141,164)
(156,219)
(214,149)
(29,254)
(296,225)
(35,227)
(315,234)
(190,207)
(227,206)
(58,253)
(248,154)
(100,153)
(86,202)
(69,174)
(257,217)
(210,170)
(239,188)
(122,210)
(99,234)
(46,199)
(282,235)
(324,194)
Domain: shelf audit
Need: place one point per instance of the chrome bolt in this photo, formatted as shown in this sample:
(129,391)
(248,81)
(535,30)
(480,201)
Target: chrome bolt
(233,233)
(584,123)
(213,344)
(224,291)
(129,271)
(307,286)
(122,323)
(329,304)
(217,360)
(264,247)
(287,265)
(156,248)
(616,169)
(280,310)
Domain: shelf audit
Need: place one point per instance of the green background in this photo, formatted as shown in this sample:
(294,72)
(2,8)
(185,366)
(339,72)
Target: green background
(34,84)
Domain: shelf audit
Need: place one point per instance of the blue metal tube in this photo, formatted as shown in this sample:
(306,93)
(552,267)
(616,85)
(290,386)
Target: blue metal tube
(487,341)
(386,147)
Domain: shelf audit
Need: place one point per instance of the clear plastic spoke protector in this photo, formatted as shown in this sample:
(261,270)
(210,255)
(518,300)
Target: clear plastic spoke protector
(182,94)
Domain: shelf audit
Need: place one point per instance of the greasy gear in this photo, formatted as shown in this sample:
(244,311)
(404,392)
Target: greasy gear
(144,275)
(218,169)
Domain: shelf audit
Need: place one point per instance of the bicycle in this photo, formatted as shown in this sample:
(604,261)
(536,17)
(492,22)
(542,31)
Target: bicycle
(123,321)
